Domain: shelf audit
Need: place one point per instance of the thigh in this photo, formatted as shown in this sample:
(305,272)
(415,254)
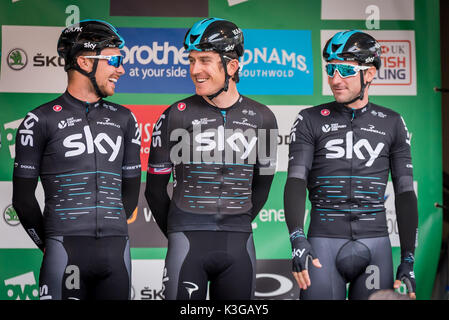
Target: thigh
(114,280)
(237,281)
(326,282)
(379,273)
(60,275)
(52,270)
(184,276)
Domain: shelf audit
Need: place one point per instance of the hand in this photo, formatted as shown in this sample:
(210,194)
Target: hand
(405,274)
(302,252)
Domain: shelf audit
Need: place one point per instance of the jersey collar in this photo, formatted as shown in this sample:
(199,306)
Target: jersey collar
(353,112)
(84,104)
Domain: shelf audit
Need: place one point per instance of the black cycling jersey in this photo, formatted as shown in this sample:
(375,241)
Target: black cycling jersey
(214,154)
(345,156)
(81,151)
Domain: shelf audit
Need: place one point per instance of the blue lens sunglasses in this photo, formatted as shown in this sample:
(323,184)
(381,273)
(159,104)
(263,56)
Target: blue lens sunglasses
(345,70)
(115,61)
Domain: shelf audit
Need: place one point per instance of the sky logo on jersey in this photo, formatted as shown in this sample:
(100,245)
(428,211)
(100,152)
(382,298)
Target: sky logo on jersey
(79,147)
(277,62)
(155,61)
(338,151)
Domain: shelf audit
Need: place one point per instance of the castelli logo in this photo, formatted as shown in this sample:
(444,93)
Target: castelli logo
(325,112)
(181,106)
(57,108)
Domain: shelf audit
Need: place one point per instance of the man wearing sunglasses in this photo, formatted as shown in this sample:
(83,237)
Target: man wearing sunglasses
(343,152)
(217,144)
(86,152)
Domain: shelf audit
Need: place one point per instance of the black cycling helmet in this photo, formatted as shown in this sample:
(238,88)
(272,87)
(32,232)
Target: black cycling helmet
(87,35)
(219,35)
(354,45)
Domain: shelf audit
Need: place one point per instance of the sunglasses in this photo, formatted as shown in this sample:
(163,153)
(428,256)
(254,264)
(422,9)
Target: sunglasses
(115,61)
(345,70)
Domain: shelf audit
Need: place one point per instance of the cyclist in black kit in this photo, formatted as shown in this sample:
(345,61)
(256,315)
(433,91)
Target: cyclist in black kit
(217,145)
(343,152)
(86,152)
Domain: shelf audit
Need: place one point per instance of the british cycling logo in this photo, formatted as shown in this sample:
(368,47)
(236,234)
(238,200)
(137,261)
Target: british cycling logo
(17,59)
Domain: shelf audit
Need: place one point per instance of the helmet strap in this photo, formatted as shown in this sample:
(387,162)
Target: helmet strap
(226,83)
(362,90)
(91,75)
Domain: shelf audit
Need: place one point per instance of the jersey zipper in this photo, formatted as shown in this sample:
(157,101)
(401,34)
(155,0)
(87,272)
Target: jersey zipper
(351,175)
(97,231)
(223,167)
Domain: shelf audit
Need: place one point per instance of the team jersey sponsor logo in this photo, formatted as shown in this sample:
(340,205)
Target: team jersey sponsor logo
(202,121)
(338,151)
(156,139)
(213,139)
(26,135)
(372,129)
(78,146)
(245,122)
(332,127)
(107,122)
(69,122)
(378,114)
(248,112)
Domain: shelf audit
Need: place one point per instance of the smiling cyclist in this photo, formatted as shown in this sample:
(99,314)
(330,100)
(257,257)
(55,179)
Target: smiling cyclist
(86,152)
(343,152)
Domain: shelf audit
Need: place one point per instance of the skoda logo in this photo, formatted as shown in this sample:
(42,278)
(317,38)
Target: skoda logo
(17,59)
(10,216)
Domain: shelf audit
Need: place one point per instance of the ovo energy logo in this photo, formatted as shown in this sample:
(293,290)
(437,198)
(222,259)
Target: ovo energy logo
(10,128)
(22,287)
(17,59)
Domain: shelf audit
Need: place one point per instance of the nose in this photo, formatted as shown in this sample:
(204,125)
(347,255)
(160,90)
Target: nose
(121,70)
(194,68)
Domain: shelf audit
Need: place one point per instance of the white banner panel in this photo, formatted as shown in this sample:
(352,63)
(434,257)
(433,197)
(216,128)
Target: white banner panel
(362,9)
(397,75)
(30,61)
(147,279)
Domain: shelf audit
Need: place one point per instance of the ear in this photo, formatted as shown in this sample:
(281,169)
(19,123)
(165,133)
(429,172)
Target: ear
(370,74)
(84,63)
(232,67)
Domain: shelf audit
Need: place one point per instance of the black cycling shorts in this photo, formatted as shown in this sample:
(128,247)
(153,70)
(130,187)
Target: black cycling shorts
(225,259)
(86,268)
(365,264)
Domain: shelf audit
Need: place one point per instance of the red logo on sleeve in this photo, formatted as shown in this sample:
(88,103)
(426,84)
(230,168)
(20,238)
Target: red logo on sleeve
(57,108)
(181,106)
(325,112)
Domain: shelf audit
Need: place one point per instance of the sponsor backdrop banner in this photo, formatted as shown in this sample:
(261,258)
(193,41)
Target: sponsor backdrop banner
(281,67)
